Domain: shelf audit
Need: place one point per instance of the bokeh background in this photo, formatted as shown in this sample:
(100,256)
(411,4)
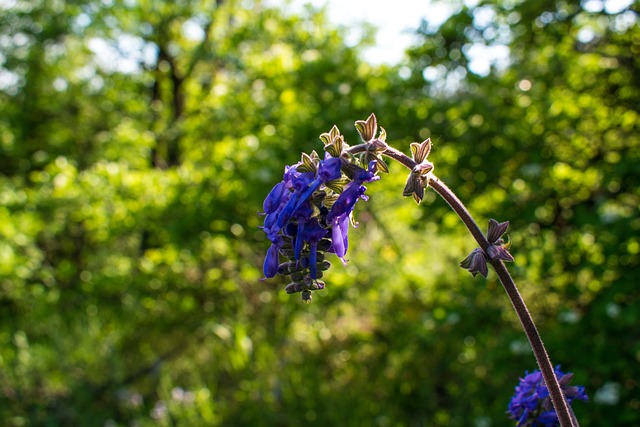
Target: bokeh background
(138,139)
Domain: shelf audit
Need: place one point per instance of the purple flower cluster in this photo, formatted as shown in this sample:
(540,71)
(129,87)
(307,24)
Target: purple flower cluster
(308,214)
(531,405)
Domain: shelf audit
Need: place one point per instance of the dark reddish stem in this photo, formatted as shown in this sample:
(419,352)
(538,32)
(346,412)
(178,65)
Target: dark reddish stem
(565,415)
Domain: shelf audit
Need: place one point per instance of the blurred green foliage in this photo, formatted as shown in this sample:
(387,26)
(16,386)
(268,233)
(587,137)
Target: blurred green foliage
(138,139)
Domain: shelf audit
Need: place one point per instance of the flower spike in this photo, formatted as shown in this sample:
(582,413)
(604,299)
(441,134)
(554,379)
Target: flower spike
(308,213)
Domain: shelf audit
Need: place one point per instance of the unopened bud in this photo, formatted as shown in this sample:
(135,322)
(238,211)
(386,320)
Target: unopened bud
(323,266)
(324,245)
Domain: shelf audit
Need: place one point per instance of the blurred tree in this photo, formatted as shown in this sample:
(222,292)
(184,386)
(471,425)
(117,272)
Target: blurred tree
(138,140)
(548,138)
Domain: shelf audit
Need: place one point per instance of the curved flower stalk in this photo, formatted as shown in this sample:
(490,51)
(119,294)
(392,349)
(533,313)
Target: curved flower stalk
(309,211)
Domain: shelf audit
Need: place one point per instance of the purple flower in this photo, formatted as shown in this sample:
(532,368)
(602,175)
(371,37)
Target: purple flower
(271,261)
(346,201)
(339,236)
(277,199)
(306,184)
(300,184)
(329,169)
(302,216)
(339,214)
(274,198)
(531,405)
(313,233)
(308,213)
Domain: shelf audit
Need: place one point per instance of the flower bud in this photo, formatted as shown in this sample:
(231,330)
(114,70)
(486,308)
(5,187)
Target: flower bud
(306,296)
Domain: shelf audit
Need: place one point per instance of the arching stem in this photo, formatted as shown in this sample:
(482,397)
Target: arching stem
(563,410)
(565,415)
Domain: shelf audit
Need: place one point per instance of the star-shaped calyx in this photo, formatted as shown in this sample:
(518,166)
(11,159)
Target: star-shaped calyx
(498,249)
(418,179)
(375,145)
(333,142)
(476,262)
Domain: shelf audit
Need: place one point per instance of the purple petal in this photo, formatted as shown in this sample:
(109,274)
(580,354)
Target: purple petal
(337,238)
(344,226)
(346,201)
(314,232)
(330,169)
(271,261)
(549,418)
(363,175)
(299,240)
(274,198)
(269,221)
(308,192)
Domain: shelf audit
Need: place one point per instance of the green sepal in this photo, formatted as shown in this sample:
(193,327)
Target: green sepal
(383,135)
(382,166)
(423,168)
(367,128)
(327,138)
(352,220)
(378,145)
(317,197)
(335,147)
(336,185)
(330,199)
(350,170)
(420,151)
(324,245)
(288,252)
(308,164)
(415,187)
